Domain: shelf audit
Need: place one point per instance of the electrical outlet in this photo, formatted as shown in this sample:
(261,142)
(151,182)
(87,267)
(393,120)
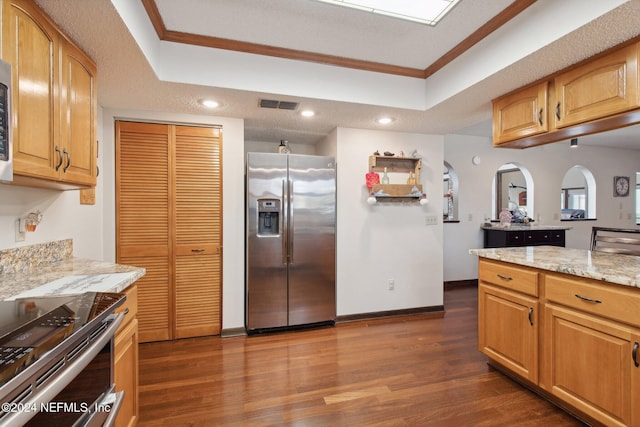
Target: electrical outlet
(431,219)
(392,284)
(20,231)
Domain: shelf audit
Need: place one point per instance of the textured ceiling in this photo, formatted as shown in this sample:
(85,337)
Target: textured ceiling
(126,79)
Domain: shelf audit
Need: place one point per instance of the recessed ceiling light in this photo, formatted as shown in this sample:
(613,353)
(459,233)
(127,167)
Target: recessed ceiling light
(428,12)
(385,120)
(209,103)
(307,113)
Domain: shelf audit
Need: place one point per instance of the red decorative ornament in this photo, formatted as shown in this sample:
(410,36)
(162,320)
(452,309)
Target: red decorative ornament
(372,179)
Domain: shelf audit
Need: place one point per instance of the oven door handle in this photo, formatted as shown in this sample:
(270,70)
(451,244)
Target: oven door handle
(56,385)
(113,413)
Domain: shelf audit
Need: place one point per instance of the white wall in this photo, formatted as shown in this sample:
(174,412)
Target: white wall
(63,217)
(233,200)
(387,240)
(272,147)
(548,164)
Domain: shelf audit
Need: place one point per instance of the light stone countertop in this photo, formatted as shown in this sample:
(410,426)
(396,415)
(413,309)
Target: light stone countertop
(524,227)
(607,267)
(108,277)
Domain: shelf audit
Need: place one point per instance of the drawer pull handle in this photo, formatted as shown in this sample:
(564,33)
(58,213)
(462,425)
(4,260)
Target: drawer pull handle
(595,301)
(530,315)
(634,354)
(197,250)
(503,277)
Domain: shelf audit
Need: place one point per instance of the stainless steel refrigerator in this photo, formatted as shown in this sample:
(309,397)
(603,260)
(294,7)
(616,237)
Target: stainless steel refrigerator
(290,248)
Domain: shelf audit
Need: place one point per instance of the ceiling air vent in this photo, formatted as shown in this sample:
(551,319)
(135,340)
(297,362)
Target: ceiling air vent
(280,105)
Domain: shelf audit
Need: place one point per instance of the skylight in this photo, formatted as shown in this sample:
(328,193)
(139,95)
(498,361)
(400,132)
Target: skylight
(428,12)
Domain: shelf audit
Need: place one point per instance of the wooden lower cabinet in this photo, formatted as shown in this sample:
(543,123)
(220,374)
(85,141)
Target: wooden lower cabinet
(588,364)
(508,330)
(582,351)
(126,361)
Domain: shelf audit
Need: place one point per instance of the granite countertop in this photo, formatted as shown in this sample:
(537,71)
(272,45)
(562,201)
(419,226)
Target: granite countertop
(71,275)
(524,227)
(613,268)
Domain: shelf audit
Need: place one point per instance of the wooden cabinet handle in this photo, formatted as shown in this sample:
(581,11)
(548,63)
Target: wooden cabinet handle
(197,250)
(503,277)
(530,315)
(59,158)
(558,110)
(595,301)
(634,353)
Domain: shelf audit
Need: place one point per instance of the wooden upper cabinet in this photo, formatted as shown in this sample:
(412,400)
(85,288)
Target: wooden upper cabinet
(29,44)
(78,104)
(53,99)
(601,88)
(521,114)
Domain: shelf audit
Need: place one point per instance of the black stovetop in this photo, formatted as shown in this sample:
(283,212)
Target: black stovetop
(30,327)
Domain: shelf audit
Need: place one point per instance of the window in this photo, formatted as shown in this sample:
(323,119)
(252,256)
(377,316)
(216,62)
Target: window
(428,12)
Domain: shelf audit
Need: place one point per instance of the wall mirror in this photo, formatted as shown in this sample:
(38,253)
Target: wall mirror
(450,194)
(578,195)
(513,189)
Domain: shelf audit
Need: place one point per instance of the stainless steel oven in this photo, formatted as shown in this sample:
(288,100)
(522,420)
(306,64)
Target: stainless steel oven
(56,360)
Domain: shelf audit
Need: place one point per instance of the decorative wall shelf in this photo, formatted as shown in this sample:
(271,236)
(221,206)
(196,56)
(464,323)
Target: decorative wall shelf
(396,164)
(399,193)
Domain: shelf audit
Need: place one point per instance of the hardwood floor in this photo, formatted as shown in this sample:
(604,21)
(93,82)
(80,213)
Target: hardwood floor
(405,371)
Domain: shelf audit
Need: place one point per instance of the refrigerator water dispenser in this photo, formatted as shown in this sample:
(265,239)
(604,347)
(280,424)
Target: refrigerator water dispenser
(268,217)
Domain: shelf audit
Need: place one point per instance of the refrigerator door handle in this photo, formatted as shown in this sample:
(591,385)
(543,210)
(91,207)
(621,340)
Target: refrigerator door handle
(290,222)
(285,234)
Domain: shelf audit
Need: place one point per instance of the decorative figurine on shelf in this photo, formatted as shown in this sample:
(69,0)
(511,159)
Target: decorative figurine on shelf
(414,154)
(385,177)
(376,153)
(372,179)
(388,153)
(283,148)
(412,178)
(401,154)
(505,217)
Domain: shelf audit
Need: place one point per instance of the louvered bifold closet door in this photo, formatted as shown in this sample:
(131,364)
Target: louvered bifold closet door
(198,213)
(143,215)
